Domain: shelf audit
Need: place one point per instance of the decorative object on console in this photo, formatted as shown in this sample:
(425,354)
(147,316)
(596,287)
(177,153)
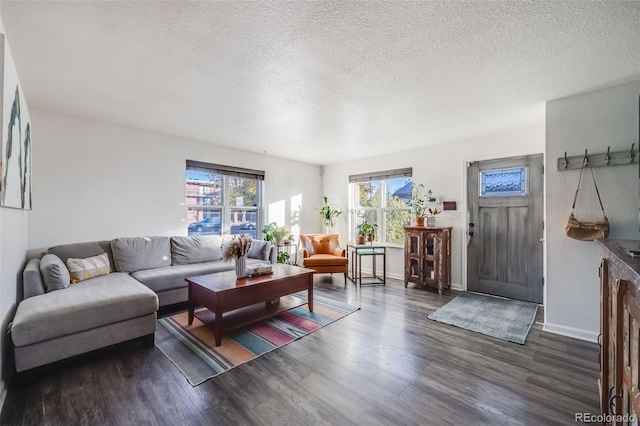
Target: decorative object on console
(419,203)
(15,179)
(237,249)
(431,218)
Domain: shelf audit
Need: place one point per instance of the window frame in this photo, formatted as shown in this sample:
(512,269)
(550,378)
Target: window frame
(382,209)
(225,208)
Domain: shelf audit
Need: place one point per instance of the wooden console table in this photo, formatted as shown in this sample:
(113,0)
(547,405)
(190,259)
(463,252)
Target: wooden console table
(427,256)
(619,330)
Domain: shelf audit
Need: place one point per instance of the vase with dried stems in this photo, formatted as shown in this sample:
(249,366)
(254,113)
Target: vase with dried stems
(236,249)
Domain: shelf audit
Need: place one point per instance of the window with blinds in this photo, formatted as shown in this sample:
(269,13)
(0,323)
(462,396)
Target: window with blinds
(223,199)
(382,198)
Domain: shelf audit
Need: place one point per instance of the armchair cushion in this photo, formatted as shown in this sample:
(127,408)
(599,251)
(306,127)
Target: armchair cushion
(324,260)
(321,244)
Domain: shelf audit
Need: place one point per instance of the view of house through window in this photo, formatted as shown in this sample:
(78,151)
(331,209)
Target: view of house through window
(222,199)
(382,199)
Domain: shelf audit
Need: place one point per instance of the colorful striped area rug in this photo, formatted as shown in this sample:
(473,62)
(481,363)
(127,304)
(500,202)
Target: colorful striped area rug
(192,348)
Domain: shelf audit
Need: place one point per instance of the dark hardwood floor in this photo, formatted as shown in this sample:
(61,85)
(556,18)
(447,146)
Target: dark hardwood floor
(385,364)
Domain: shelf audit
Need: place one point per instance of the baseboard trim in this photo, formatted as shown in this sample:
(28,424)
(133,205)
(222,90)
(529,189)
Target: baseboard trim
(576,333)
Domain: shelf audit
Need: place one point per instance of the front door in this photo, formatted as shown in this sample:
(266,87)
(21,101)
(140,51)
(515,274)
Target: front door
(504,251)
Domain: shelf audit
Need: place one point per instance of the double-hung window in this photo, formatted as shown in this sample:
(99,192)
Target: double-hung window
(383,199)
(222,199)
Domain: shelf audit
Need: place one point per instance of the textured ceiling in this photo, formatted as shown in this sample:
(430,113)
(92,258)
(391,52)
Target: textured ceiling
(320,82)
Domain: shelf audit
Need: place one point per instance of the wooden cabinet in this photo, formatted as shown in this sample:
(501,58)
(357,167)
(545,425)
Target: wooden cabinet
(427,256)
(620,334)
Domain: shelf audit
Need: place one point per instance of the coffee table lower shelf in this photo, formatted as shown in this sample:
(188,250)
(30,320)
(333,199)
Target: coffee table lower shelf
(235,319)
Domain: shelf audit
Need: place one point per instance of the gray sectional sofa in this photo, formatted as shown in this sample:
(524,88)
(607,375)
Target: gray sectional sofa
(121,284)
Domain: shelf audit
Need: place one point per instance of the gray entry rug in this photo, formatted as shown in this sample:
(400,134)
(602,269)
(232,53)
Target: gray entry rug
(506,319)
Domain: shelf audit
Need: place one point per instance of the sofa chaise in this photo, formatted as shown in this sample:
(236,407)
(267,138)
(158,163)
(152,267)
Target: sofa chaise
(86,296)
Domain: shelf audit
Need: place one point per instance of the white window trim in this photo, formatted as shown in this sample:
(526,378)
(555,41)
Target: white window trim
(225,208)
(381,216)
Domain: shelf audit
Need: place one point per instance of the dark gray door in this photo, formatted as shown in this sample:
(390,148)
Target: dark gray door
(504,251)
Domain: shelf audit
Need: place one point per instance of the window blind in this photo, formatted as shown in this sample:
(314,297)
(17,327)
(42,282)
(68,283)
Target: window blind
(387,174)
(225,170)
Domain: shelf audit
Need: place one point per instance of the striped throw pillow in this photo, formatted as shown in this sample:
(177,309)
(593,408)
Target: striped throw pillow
(83,269)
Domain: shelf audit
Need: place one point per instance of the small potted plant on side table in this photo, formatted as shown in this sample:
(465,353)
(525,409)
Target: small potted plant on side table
(366,231)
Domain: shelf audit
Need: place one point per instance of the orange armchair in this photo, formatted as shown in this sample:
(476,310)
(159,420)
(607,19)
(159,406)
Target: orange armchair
(322,253)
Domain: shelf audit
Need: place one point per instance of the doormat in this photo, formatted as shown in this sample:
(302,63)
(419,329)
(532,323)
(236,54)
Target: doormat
(191,348)
(506,319)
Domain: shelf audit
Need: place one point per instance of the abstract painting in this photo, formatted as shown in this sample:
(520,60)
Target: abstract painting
(15,173)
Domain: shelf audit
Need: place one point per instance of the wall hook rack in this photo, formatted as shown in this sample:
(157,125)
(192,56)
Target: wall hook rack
(616,158)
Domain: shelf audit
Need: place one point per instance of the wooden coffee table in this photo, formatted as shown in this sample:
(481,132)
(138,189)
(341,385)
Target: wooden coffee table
(245,300)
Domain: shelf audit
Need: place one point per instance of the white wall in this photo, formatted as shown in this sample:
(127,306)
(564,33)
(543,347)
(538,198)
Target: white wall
(441,168)
(593,121)
(13,247)
(93,180)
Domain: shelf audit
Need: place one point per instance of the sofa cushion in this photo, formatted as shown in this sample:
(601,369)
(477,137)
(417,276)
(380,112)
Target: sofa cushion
(55,274)
(82,250)
(92,303)
(188,250)
(138,253)
(172,277)
(90,267)
(259,250)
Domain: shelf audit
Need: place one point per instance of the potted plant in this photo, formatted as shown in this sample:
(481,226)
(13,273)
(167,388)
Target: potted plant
(269,232)
(366,230)
(329,213)
(419,204)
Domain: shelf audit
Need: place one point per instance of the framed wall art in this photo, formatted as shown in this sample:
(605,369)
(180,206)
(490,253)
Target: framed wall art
(15,170)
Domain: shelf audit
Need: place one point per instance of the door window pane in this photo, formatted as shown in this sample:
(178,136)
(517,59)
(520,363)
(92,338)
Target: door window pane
(503,182)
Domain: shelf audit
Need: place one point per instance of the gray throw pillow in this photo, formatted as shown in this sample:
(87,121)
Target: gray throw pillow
(54,273)
(259,249)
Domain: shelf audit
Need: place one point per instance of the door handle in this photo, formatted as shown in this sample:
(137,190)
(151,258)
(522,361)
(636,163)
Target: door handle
(541,240)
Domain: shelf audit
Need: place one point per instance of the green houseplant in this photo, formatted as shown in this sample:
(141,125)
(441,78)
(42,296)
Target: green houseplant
(329,213)
(366,230)
(276,234)
(418,203)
